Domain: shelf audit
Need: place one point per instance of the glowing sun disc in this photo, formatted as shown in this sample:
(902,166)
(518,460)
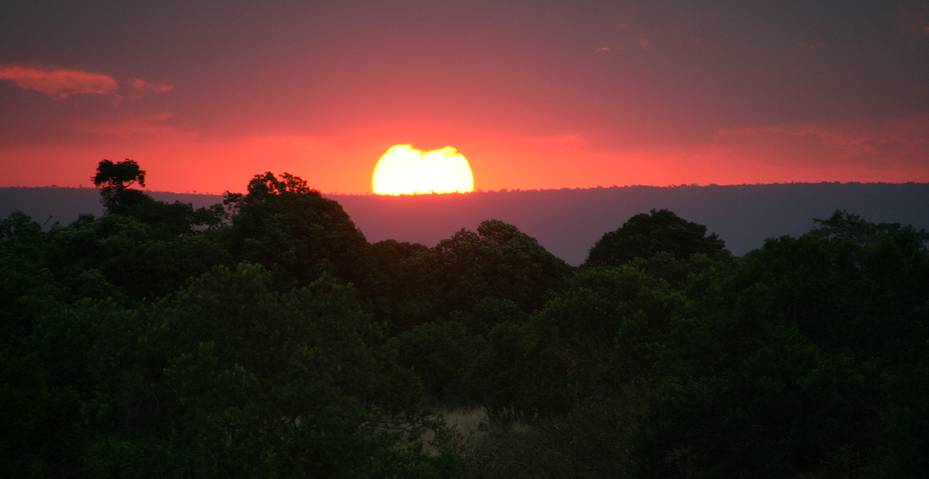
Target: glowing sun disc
(405,170)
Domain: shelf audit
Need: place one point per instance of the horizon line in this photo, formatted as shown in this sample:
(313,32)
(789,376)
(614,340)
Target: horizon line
(509,190)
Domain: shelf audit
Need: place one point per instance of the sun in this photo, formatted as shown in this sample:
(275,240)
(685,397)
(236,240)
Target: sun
(405,170)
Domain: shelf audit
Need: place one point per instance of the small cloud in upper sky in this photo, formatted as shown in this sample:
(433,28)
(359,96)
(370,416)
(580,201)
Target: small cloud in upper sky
(143,87)
(59,84)
(605,50)
(643,43)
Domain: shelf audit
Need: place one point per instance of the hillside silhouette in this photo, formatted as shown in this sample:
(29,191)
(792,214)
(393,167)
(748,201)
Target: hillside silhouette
(567,222)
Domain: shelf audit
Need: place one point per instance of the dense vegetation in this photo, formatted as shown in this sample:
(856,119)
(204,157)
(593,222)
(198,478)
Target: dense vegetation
(265,337)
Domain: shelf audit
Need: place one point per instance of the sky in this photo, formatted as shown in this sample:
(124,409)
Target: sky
(536,93)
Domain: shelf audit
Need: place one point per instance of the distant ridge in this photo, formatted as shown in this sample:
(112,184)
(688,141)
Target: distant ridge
(566,221)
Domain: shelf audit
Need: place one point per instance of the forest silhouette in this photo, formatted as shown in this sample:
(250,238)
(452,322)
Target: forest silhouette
(267,337)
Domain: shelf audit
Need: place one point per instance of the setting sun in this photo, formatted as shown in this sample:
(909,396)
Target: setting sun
(405,170)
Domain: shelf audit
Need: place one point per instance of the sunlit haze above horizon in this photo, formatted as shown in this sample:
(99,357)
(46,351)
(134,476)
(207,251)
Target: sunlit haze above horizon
(536,94)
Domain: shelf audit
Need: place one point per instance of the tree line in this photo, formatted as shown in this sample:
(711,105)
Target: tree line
(266,337)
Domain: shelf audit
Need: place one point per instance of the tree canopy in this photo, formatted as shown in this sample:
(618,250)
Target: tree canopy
(292,230)
(266,337)
(114,180)
(645,235)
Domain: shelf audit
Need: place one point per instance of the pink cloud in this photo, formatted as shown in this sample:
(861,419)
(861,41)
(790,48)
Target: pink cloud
(607,50)
(143,87)
(59,84)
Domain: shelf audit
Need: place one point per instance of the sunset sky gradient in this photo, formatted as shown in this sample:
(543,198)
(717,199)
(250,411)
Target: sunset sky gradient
(536,94)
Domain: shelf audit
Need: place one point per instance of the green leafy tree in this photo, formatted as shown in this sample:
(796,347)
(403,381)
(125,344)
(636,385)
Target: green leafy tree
(499,375)
(497,261)
(809,340)
(276,384)
(442,354)
(122,257)
(293,231)
(400,287)
(645,235)
(609,327)
(114,180)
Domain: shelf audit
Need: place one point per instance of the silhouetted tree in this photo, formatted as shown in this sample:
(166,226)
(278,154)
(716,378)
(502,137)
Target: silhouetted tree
(168,219)
(844,226)
(293,231)
(496,261)
(645,235)
(114,180)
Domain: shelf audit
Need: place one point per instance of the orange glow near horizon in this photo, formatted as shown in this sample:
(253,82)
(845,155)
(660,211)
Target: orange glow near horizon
(405,170)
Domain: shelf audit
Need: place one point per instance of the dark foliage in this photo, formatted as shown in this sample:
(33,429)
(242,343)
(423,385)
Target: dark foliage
(267,338)
(646,235)
(498,262)
(114,180)
(294,232)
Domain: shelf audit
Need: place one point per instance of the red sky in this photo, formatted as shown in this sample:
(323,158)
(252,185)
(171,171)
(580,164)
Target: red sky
(537,94)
